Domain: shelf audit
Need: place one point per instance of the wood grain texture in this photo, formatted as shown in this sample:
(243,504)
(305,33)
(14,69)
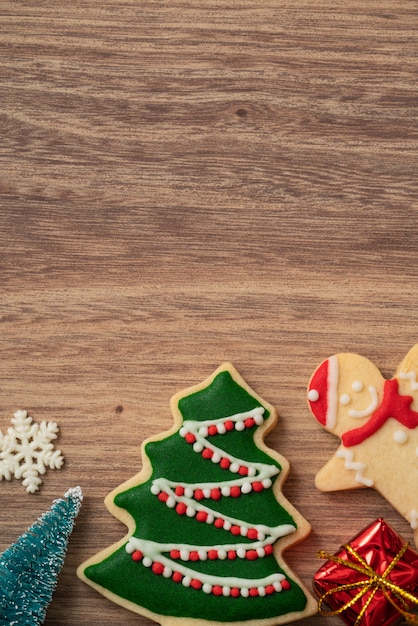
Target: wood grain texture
(191,182)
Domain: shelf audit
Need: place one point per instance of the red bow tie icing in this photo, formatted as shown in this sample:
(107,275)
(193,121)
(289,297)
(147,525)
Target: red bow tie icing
(377,422)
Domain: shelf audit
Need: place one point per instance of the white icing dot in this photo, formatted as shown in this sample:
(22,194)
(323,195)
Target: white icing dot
(243,531)
(241,552)
(246,487)
(226,491)
(234,467)
(345,399)
(259,419)
(221,429)
(129,548)
(189,492)
(210,519)
(203,555)
(167,572)
(146,561)
(239,425)
(227,525)
(266,483)
(226,591)
(261,591)
(244,592)
(206,492)
(216,457)
(357,385)
(260,552)
(203,430)
(400,436)
(155,489)
(184,555)
(252,471)
(183,431)
(186,581)
(171,502)
(277,586)
(222,554)
(313,395)
(197,447)
(190,511)
(207,588)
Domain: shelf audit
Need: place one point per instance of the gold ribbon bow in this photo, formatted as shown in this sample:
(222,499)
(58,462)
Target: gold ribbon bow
(372,583)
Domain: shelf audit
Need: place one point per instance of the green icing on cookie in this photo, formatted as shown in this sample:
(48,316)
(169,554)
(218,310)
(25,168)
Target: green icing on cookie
(222,567)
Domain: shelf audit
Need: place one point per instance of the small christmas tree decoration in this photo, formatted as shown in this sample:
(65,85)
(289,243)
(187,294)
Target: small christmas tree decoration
(377,423)
(26,450)
(207,519)
(371,580)
(29,568)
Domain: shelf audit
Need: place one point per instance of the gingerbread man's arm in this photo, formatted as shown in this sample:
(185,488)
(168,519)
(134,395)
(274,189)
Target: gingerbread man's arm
(341,473)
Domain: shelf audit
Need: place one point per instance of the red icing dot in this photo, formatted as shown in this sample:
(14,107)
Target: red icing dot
(235,530)
(270,589)
(181,508)
(212,430)
(198,494)
(249,422)
(190,438)
(235,592)
(175,554)
(177,577)
(216,494)
(258,486)
(163,496)
(217,590)
(137,555)
(212,555)
(207,453)
(253,592)
(219,523)
(229,425)
(235,492)
(243,471)
(179,491)
(285,584)
(157,568)
(194,556)
(251,555)
(196,584)
(252,533)
(268,549)
(225,463)
(232,555)
(201,516)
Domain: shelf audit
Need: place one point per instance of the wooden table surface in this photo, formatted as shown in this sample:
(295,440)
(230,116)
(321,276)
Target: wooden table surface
(186,183)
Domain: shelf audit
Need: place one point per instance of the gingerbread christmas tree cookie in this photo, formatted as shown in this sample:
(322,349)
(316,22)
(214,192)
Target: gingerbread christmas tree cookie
(207,519)
(377,422)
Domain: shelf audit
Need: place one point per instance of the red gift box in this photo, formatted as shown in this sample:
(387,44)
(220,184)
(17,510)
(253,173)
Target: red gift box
(372,580)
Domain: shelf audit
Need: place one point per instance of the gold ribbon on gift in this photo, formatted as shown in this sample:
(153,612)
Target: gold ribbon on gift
(372,583)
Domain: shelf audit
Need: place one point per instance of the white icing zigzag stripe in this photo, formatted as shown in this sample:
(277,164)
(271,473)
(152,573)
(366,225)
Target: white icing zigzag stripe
(168,559)
(412,377)
(347,456)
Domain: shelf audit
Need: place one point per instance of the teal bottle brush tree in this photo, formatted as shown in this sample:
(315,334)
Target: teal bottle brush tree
(29,568)
(207,519)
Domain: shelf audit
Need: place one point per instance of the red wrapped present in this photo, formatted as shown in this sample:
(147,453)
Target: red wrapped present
(372,580)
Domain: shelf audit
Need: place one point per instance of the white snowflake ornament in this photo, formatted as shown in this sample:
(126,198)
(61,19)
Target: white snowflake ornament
(26,450)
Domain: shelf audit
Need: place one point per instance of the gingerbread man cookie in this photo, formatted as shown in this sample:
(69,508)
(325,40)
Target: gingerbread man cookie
(377,422)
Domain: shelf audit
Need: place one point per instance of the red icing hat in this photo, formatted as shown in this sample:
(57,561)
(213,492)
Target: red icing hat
(322,392)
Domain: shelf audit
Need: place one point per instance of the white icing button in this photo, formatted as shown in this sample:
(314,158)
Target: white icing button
(313,395)
(345,399)
(400,436)
(357,385)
